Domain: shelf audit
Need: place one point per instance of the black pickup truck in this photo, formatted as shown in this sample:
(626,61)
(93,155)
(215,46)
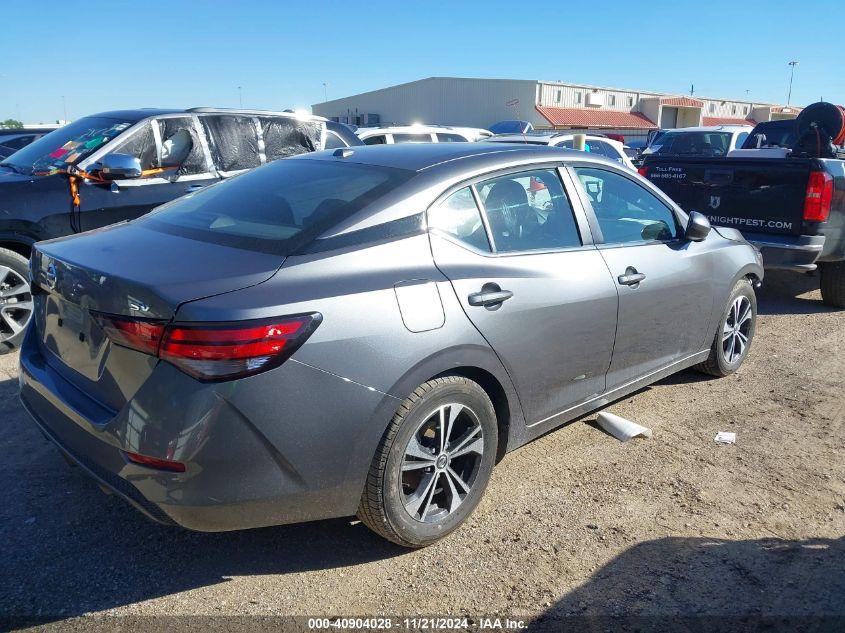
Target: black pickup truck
(792,207)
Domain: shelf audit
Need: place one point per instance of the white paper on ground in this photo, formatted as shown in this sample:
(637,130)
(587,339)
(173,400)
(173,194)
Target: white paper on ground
(620,428)
(725,437)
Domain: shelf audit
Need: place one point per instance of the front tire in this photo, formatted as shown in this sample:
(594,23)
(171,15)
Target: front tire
(833,283)
(735,333)
(15,299)
(433,463)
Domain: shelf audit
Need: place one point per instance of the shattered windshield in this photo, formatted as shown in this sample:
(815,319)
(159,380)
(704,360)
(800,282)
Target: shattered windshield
(66,146)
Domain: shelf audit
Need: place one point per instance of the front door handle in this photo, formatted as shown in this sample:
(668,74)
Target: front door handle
(192,188)
(631,277)
(490,297)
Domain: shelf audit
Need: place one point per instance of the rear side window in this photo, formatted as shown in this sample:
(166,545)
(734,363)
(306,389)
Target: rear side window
(529,211)
(458,216)
(380,139)
(447,137)
(412,138)
(626,211)
(285,137)
(233,141)
(333,141)
(278,208)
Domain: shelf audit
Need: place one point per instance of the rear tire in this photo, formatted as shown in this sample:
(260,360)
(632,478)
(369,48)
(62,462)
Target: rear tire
(421,487)
(833,283)
(15,299)
(734,334)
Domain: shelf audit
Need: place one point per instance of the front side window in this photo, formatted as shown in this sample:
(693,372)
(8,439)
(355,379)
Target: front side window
(626,211)
(458,216)
(141,144)
(529,211)
(412,138)
(181,150)
(740,139)
(278,208)
(379,139)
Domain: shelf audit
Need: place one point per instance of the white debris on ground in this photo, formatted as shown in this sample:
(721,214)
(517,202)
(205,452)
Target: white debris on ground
(621,428)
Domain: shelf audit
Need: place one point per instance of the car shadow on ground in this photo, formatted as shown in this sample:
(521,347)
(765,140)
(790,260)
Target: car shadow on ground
(782,293)
(703,584)
(68,549)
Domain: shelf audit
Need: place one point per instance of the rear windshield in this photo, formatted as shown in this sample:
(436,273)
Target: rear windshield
(780,133)
(277,208)
(693,143)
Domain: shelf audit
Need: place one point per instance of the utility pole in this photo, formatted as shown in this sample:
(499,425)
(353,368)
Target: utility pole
(325,91)
(64,109)
(793,64)
(240,97)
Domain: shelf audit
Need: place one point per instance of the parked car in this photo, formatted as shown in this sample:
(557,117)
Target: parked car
(13,139)
(369,330)
(716,140)
(395,134)
(790,205)
(595,144)
(116,166)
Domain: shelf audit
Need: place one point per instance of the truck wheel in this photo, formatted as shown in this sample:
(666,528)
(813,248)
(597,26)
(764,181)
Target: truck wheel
(735,333)
(433,463)
(833,283)
(15,299)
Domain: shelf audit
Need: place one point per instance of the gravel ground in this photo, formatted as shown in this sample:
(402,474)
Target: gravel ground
(575,523)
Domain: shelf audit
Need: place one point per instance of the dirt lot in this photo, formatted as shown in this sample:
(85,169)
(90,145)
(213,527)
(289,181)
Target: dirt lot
(575,523)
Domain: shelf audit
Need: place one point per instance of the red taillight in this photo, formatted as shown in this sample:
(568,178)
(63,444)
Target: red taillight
(643,171)
(155,462)
(143,335)
(215,351)
(819,196)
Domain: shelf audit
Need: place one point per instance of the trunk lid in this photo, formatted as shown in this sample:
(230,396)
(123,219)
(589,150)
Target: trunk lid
(125,270)
(755,195)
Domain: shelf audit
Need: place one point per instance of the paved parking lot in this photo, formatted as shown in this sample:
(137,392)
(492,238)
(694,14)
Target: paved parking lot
(574,523)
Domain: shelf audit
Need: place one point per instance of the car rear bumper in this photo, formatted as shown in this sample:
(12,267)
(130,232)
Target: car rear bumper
(245,467)
(788,252)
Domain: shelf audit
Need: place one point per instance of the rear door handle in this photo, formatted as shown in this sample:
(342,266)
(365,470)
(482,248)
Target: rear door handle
(489,298)
(631,277)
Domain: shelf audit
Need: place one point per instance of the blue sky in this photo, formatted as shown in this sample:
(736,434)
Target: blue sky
(107,55)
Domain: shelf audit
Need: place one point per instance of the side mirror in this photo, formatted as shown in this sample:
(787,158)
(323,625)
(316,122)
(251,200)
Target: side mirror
(698,227)
(119,167)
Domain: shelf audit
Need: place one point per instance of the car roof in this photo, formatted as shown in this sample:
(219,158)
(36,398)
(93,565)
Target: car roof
(405,129)
(534,137)
(138,114)
(422,156)
(712,128)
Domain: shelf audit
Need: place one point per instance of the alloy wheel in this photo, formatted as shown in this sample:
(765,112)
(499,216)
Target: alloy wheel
(737,329)
(440,463)
(15,303)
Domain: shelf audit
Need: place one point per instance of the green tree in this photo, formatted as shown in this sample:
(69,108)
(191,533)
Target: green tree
(11,123)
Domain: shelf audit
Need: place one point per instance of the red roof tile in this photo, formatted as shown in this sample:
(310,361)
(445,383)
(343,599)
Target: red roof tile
(581,117)
(684,102)
(720,120)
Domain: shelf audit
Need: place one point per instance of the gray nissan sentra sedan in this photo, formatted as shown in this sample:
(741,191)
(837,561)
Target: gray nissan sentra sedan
(369,330)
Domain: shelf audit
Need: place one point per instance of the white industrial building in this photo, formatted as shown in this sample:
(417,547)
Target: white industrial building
(546,104)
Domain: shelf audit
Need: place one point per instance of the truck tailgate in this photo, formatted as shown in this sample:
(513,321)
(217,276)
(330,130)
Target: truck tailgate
(758,195)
